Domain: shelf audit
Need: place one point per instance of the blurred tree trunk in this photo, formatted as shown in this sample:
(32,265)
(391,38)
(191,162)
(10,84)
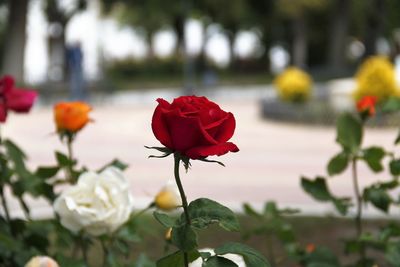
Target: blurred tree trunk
(338,35)
(150,45)
(375,26)
(299,46)
(14,52)
(202,56)
(231,42)
(179,29)
(57,69)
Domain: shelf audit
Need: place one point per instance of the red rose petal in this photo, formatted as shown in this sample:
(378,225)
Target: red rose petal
(186,132)
(20,100)
(205,151)
(3,113)
(223,129)
(6,84)
(160,129)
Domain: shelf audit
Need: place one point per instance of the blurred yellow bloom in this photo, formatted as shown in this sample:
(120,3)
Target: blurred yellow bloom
(168,234)
(376,77)
(293,85)
(168,198)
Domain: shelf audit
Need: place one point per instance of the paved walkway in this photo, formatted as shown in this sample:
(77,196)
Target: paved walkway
(268,167)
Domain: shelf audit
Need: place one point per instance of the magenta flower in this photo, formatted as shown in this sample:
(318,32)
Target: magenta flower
(15,99)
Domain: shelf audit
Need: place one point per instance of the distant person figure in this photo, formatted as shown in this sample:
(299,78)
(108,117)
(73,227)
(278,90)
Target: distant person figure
(210,78)
(75,70)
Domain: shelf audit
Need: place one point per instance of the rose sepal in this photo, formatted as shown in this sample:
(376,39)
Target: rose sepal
(165,150)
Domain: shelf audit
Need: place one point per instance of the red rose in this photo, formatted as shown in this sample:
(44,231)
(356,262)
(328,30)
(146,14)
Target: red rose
(194,126)
(367,105)
(14,99)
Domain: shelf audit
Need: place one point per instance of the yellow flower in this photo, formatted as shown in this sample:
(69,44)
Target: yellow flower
(168,198)
(168,234)
(375,77)
(293,85)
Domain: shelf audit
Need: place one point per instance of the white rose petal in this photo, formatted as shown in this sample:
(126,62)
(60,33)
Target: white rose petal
(238,259)
(98,203)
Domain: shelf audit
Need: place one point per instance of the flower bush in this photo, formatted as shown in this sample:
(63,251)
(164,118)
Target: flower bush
(294,85)
(375,77)
(94,208)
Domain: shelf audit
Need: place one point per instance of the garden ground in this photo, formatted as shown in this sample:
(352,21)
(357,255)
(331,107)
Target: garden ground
(272,155)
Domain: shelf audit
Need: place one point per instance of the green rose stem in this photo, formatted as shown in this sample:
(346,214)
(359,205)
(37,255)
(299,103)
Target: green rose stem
(270,250)
(3,197)
(70,157)
(177,159)
(5,206)
(358,222)
(105,252)
(84,249)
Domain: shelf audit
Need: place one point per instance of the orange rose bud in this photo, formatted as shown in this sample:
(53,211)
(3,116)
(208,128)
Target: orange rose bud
(310,248)
(366,105)
(71,116)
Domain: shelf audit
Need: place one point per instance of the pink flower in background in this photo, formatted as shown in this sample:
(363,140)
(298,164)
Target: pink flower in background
(15,99)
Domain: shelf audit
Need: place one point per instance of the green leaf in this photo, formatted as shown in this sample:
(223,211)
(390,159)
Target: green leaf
(338,164)
(342,204)
(250,211)
(378,197)
(397,140)
(349,132)
(373,157)
(317,188)
(270,209)
(144,261)
(389,231)
(322,257)
(204,212)
(176,259)
(392,254)
(47,172)
(17,156)
(63,160)
(391,105)
(394,166)
(251,257)
(216,261)
(115,163)
(184,237)
(69,261)
(164,219)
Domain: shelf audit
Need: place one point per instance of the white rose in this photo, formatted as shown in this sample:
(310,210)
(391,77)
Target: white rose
(168,198)
(42,261)
(233,257)
(98,203)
